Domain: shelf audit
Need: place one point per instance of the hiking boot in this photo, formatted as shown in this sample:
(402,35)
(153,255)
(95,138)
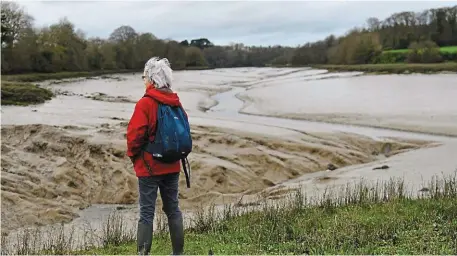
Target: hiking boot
(144,238)
(176,228)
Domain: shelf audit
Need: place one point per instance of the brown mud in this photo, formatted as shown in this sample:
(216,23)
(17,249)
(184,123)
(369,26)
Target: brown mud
(50,173)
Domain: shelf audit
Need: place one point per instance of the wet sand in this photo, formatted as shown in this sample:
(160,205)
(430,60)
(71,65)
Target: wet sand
(419,103)
(70,151)
(50,173)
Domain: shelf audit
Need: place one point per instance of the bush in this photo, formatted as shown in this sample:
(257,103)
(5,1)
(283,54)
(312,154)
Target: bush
(449,56)
(424,52)
(390,57)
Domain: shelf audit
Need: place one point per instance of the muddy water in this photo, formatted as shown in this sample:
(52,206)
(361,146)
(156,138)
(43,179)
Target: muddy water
(214,98)
(422,103)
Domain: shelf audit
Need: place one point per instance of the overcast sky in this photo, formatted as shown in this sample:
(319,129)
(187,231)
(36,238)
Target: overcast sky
(249,22)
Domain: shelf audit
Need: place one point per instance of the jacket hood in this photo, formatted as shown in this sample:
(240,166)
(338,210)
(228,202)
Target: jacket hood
(163,96)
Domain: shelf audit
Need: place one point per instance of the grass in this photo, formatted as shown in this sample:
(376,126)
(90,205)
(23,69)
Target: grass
(381,218)
(22,94)
(446,49)
(395,68)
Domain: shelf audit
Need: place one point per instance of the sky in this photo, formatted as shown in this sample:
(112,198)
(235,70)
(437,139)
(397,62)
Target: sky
(288,23)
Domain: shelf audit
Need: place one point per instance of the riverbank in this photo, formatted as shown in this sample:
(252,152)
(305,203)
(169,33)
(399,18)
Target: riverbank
(23,94)
(381,218)
(395,68)
(401,225)
(19,89)
(39,77)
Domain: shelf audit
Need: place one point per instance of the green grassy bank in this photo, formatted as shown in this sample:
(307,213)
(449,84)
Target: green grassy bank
(379,218)
(394,68)
(368,220)
(23,94)
(422,226)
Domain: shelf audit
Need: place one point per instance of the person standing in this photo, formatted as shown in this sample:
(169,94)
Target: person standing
(154,174)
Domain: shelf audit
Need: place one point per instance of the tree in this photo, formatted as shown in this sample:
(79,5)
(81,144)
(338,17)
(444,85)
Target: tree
(62,47)
(123,34)
(195,58)
(184,43)
(14,22)
(176,54)
(373,24)
(201,43)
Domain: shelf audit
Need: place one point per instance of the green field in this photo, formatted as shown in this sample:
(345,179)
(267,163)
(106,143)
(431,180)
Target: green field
(446,49)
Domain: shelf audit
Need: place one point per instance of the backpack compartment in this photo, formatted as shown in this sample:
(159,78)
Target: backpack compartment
(172,141)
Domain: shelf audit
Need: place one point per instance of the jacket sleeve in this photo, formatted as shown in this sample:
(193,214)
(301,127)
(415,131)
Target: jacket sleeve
(137,129)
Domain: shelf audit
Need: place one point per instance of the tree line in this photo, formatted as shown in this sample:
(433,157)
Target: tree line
(62,47)
(423,33)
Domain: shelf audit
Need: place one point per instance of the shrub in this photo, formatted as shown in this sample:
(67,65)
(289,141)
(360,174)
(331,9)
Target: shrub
(424,52)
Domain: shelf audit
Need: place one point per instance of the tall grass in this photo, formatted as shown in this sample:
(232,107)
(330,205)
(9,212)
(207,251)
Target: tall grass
(360,218)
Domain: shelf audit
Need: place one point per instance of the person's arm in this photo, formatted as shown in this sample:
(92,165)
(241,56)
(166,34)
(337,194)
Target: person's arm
(137,129)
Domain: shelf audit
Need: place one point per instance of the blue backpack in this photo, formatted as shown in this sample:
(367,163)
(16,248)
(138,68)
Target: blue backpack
(172,140)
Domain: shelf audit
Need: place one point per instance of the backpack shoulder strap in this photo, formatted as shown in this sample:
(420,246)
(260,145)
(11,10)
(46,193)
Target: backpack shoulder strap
(158,105)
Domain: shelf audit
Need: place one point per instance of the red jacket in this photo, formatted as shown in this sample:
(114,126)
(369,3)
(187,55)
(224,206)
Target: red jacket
(143,122)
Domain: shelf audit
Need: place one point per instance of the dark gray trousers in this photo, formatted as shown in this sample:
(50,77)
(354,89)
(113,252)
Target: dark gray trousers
(168,185)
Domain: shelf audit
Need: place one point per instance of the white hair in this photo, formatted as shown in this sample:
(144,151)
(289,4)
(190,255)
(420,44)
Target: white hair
(159,72)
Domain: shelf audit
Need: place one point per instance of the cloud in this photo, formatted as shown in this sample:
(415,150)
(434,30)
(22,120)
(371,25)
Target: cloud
(249,22)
